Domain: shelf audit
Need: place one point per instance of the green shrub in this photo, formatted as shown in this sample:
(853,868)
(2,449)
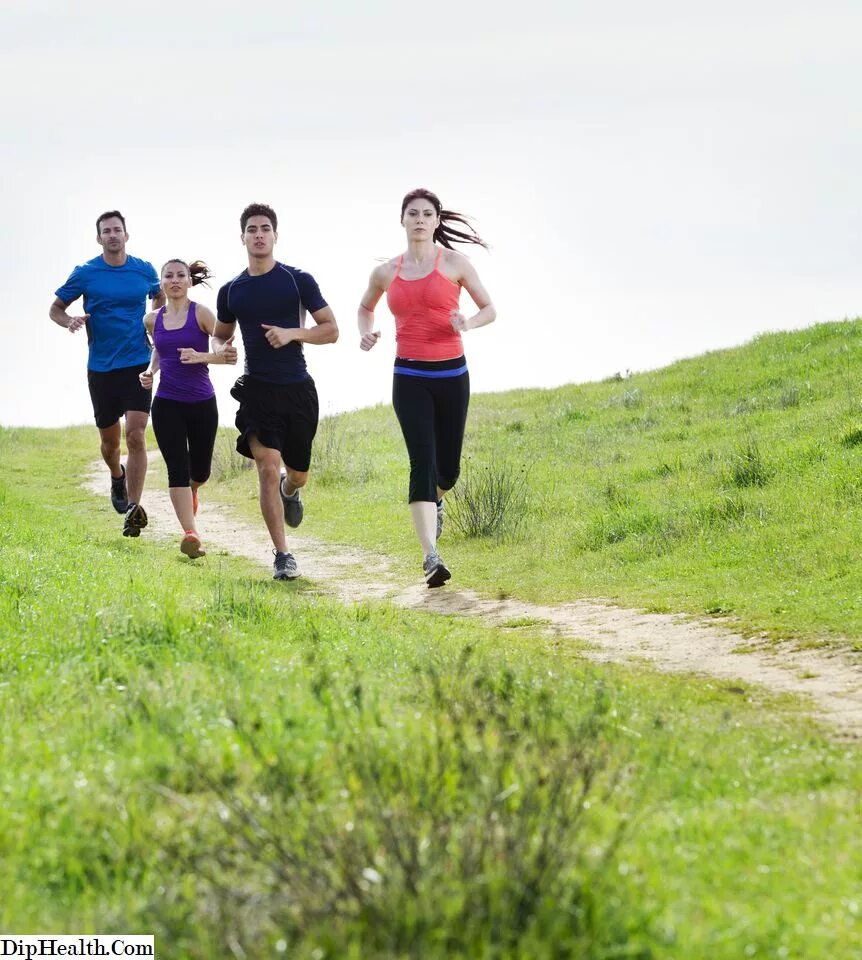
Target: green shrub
(489,500)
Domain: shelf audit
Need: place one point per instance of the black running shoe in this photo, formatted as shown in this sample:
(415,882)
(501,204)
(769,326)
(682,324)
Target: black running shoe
(436,572)
(136,520)
(293,508)
(284,567)
(439,518)
(119,493)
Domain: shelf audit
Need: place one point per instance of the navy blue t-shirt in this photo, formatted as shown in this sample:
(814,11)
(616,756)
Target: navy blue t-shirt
(281,298)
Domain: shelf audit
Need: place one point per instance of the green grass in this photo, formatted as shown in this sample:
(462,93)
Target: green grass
(730,483)
(243,768)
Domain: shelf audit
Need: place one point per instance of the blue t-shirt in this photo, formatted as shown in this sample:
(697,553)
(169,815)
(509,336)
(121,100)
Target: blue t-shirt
(281,298)
(116,299)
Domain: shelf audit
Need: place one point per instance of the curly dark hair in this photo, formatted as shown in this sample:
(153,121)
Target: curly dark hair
(258,210)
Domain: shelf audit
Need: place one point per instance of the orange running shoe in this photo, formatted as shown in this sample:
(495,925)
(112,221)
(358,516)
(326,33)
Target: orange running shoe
(191,546)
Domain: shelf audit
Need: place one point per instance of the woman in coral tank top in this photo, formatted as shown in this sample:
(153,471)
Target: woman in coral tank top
(431,385)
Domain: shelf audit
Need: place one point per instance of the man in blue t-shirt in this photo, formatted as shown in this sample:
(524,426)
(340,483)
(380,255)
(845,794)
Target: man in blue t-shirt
(278,408)
(115,287)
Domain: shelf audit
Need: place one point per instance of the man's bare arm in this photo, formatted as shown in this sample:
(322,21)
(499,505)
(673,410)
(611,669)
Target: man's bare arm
(58,314)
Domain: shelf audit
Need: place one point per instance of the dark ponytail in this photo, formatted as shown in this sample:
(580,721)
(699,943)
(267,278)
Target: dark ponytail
(445,234)
(199,272)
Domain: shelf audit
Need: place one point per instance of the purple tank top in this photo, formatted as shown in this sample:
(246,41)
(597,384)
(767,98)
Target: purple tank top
(186,382)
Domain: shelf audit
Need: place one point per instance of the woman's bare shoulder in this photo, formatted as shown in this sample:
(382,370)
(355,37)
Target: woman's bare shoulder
(384,272)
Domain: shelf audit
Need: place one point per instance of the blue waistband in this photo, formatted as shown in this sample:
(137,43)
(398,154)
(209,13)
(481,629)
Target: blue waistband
(432,374)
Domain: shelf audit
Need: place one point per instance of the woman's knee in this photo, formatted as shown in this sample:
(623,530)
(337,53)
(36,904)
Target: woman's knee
(448,480)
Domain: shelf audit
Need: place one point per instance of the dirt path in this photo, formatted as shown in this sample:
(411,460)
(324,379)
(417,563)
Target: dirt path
(832,680)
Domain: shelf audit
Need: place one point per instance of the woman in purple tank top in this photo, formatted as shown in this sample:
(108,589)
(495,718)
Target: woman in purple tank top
(184,412)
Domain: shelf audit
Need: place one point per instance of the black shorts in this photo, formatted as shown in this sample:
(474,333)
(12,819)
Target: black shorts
(115,392)
(283,416)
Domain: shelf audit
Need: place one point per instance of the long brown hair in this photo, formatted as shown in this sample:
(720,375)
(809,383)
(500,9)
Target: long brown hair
(199,272)
(445,234)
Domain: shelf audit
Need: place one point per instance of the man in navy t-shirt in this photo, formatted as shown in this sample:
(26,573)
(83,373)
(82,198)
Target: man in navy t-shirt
(115,287)
(278,408)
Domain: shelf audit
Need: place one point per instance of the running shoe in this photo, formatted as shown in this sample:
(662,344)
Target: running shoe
(136,520)
(195,501)
(436,572)
(439,518)
(191,546)
(293,508)
(119,493)
(284,567)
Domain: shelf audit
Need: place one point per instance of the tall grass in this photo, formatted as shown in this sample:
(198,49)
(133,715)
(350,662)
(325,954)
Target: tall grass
(226,462)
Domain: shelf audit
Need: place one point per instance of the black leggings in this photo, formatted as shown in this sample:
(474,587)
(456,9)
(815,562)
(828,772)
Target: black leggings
(432,414)
(186,435)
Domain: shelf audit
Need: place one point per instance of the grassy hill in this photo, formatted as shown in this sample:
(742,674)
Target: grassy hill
(245,768)
(727,484)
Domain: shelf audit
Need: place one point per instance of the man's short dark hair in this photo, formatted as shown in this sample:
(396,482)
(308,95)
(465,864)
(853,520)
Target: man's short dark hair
(109,216)
(258,210)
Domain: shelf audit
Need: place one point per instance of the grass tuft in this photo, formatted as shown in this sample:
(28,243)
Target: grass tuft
(490,500)
(747,466)
(852,437)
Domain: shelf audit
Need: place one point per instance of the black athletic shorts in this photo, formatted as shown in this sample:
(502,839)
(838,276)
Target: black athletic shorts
(115,392)
(283,416)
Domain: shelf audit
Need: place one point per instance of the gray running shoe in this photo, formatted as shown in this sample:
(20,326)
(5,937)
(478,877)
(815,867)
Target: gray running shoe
(136,520)
(293,508)
(119,493)
(436,572)
(439,518)
(284,567)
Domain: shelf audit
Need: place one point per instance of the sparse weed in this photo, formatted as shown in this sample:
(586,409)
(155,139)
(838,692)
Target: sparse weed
(789,397)
(490,500)
(629,399)
(227,463)
(569,413)
(336,459)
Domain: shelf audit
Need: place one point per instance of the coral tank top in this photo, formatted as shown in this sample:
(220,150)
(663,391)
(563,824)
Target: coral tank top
(422,310)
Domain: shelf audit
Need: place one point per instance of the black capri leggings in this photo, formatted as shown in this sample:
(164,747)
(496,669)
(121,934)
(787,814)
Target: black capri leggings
(432,414)
(186,435)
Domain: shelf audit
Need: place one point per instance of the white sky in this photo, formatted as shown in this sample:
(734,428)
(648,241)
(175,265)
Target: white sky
(655,179)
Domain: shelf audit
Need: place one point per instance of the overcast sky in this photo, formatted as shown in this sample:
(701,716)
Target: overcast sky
(655,179)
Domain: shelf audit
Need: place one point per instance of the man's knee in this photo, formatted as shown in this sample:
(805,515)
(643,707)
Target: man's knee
(268,469)
(136,440)
(297,478)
